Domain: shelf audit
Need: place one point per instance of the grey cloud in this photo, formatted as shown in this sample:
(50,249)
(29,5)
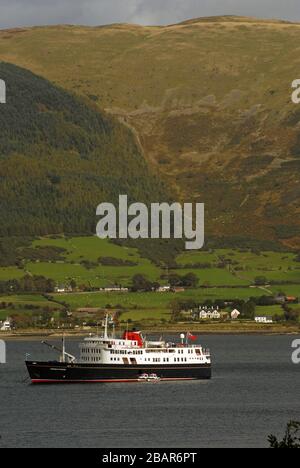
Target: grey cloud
(95,12)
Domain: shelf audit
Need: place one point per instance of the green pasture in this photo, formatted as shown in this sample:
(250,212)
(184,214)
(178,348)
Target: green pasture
(216,277)
(89,248)
(153,300)
(146,314)
(100,276)
(269,311)
(28,299)
(10,273)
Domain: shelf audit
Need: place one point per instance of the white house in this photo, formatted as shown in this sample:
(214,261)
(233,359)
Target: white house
(6,326)
(60,289)
(215,314)
(209,314)
(164,289)
(263,319)
(235,314)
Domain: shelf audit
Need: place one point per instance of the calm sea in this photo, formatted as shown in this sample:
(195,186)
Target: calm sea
(255,391)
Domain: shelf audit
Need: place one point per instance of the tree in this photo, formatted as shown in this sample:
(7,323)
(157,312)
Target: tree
(291,439)
(190,280)
(260,281)
(175,280)
(141,283)
(248,310)
(176,308)
(291,315)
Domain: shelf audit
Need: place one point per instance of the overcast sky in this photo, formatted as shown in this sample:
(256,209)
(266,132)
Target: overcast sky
(96,12)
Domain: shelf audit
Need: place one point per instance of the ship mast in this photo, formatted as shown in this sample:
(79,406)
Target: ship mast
(106,327)
(63,348)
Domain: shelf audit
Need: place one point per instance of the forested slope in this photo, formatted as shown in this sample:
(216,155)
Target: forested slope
(60,157)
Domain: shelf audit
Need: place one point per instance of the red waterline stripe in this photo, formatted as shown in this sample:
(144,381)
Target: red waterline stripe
(81,381)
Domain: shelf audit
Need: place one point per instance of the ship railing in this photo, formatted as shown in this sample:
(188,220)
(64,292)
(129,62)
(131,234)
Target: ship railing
(186,345)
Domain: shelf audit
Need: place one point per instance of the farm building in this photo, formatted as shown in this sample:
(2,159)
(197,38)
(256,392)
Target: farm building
(291,299)
(89,310)
(178,289)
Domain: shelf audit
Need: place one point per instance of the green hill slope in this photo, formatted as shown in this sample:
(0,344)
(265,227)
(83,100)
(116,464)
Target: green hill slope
(60,157)
(209,99)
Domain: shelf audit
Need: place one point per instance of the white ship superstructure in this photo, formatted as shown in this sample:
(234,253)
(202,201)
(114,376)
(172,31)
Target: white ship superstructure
(134,349)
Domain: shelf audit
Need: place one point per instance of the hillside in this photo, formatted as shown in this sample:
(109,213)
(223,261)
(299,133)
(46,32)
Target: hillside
(60,157)
(209,100)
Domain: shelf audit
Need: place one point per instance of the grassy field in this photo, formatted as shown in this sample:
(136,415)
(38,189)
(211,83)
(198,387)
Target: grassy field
(216,277)
(232,282)
(269,311)
(28,299)
(152,299)
(241,270)
(10,273)
(80,249)
(91,249)
(100,276)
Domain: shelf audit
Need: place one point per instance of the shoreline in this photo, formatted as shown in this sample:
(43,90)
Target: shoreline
(200,329)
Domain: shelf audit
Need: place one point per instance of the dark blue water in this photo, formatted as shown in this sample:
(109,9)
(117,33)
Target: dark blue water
(254,392)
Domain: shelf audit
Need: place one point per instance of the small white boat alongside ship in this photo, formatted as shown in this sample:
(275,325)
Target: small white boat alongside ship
(149,378)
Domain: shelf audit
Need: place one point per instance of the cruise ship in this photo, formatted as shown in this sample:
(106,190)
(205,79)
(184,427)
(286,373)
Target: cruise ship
(130,358)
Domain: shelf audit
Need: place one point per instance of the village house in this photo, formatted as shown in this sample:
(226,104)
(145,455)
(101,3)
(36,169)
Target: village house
(264,319)
(163,289)
(63,289)
(6,325)
(235,314)
(209,314)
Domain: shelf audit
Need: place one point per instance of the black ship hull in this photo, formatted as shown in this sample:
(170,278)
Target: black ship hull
(57,372)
